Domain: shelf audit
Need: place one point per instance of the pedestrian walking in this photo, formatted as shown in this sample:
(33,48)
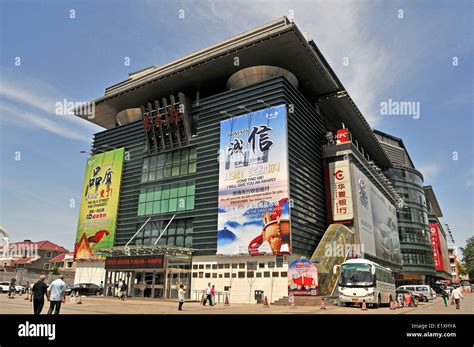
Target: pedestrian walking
(11,289)
(457,296)
(445,296)
(123,291)
(213,295)
(57,294)
(181,294)
(39,291)
(207,295)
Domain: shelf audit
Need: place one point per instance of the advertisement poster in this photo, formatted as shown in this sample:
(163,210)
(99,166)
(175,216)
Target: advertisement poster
(99,203)
(253,209)
(376,220)
(440,249)
(302,278)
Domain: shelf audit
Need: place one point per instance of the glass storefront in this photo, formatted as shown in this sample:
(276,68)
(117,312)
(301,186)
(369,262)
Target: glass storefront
(152,283)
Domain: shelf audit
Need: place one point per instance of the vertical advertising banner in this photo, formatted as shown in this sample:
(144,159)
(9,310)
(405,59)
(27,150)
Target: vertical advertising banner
(341,192)
(436,247)
(302,278)
(253,208)
(376,220)
(99,204)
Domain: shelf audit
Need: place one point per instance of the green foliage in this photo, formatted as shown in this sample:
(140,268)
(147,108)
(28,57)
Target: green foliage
(468,257)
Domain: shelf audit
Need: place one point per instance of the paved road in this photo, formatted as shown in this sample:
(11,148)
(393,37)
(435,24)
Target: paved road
(100,305)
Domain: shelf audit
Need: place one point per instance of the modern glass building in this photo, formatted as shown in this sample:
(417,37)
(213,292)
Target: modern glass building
(412,213)
(171,121)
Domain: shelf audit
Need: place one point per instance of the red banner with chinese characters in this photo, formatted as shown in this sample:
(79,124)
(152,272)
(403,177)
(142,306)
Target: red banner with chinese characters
(435,244)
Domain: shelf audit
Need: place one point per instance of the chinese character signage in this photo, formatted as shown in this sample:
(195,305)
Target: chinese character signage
(341,194)
(302,278)
(134,262)
(436,247)
(253,211)
(99,203)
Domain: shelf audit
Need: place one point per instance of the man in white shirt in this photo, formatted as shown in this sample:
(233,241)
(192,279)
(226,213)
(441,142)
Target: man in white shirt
(57,294)
(457,296)
(208,295)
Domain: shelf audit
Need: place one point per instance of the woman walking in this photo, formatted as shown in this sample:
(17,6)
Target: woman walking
(181,294)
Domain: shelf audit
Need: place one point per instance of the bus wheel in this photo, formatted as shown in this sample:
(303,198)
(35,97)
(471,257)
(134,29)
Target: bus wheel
(379,302)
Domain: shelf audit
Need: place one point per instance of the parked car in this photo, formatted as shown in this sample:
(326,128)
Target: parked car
(423,289)
(20,289)
(5,287)
(433,293)
(84,289)
(413,300)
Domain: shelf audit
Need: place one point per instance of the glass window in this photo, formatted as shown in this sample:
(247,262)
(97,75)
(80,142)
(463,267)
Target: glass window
(164,206)
(176,157)
(192,167)
(142,197)
(192,153)
(149,194)
(174,190)
(157,194)
(182,188)
(149,208)
(173,205)
(180,227)
(161,160)
(184,155)
(167,172)
(182,204)
(141,209)
(165,192)
(190,190)
(180,241)
(190,203)
(156,207)
(188,241)
(175,170)
(153,161)
(151,176)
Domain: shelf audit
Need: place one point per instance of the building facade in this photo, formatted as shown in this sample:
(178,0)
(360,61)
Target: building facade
(177,124)
(413,223)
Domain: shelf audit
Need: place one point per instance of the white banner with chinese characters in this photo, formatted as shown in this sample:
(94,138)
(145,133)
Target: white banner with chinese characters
(341,191)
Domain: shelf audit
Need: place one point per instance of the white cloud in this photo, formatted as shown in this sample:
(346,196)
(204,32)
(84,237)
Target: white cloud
(41,121)
(30,102)
(429,171)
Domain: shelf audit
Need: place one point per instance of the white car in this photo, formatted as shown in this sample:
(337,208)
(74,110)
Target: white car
(5,287)
(20,289)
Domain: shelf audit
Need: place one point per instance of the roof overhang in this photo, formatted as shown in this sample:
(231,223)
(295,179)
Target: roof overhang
(279,43)
(432,201)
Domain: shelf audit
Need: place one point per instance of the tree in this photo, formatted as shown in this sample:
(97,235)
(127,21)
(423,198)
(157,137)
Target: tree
(468,256)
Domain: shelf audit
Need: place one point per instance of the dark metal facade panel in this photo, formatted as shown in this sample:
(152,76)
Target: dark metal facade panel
(307,191)
(305,131)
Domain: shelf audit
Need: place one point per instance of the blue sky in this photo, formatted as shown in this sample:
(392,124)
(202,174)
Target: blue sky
(403,59)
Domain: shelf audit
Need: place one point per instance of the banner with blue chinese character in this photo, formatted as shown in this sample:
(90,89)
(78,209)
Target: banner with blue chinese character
(254,211)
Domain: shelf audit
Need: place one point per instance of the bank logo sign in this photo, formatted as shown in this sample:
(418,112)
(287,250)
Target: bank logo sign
(253,209)
(341,191)
(99,203)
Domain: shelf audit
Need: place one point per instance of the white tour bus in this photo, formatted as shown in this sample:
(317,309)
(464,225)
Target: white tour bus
(363,280)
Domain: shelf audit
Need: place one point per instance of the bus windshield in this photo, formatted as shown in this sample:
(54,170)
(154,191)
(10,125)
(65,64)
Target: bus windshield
(355,275)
